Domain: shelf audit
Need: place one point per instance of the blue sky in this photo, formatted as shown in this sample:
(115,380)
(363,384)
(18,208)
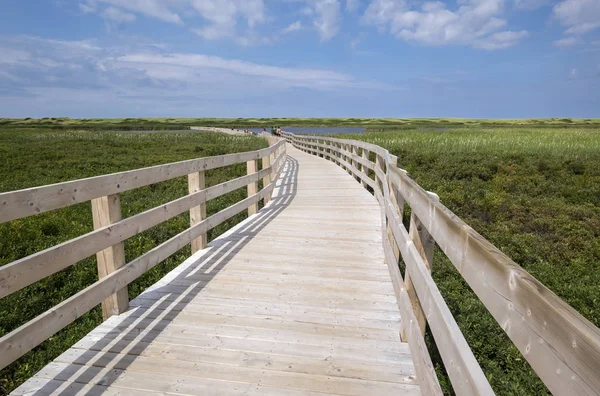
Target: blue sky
(300,58)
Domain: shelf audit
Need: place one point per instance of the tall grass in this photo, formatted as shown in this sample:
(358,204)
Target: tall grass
(573,143)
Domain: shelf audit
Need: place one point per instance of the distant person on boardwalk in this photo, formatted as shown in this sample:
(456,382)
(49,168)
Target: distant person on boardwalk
(278,133)
(272,130)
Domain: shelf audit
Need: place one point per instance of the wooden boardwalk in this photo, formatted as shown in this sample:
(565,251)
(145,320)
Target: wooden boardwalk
(306,296)
(297,299)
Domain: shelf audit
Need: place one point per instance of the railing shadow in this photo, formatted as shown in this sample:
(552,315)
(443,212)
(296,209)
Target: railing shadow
(144,324)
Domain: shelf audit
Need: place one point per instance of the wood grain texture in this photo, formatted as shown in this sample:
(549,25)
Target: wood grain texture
(410,332)
(31,201)
(105,212)
(23,339)
(266,164)
(197,182)
(251,168)
(425,245)
(30,269)
(465,374)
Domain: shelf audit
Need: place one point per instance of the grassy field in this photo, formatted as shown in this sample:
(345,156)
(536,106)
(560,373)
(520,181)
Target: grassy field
(371,124)
(535,194)
(32,157)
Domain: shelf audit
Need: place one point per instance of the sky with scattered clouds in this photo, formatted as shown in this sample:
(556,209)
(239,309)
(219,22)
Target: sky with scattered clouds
(300,58)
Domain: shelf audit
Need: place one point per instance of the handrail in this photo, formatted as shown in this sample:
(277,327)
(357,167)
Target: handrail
(561,346)
(110,289)
(31,201)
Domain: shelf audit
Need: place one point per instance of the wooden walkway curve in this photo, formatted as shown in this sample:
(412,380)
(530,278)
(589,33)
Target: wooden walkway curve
(295,300)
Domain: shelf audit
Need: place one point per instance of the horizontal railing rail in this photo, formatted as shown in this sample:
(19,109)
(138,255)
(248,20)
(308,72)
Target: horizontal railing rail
(110,231)
(31,201)
(561,346)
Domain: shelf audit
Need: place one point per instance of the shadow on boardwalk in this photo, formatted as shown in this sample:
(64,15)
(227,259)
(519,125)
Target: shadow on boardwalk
(119,346)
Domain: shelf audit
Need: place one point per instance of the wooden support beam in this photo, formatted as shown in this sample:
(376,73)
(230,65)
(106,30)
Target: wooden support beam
(106,211)
(425,245)
(252,167)
(379,164)
(354,162)
(197,182)
(266,163)
(365,170)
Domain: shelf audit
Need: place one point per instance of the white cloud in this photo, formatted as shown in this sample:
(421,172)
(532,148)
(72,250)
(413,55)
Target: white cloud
(475,23)
(88,7)
(223,15)
(579,16)
(38,56)
(159,9)
(222,18)
(567,42)
(12,56)
(326,17)
(181,66)
(294,27)
(116,15)
(141,70)
(501,40)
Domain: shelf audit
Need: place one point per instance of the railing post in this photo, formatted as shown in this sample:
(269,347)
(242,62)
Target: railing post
(425,245)
(354,162)
(252,167)
(106,211)
(197,182)
(348,158)
(379,164)
(272,158)
(266,162)
(365,155)
(336,155)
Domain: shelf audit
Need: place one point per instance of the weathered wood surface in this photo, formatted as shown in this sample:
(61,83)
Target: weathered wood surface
(23,339)
(105,212)
(27,270)
(31,201)
(561,345)
(295,300)
(197,182)
(252,167)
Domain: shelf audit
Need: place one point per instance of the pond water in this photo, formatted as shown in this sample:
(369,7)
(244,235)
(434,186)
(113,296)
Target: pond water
(316,130)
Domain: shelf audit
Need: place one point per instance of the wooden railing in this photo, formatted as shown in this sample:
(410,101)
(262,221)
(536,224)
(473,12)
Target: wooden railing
(106,241)
(561,346)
